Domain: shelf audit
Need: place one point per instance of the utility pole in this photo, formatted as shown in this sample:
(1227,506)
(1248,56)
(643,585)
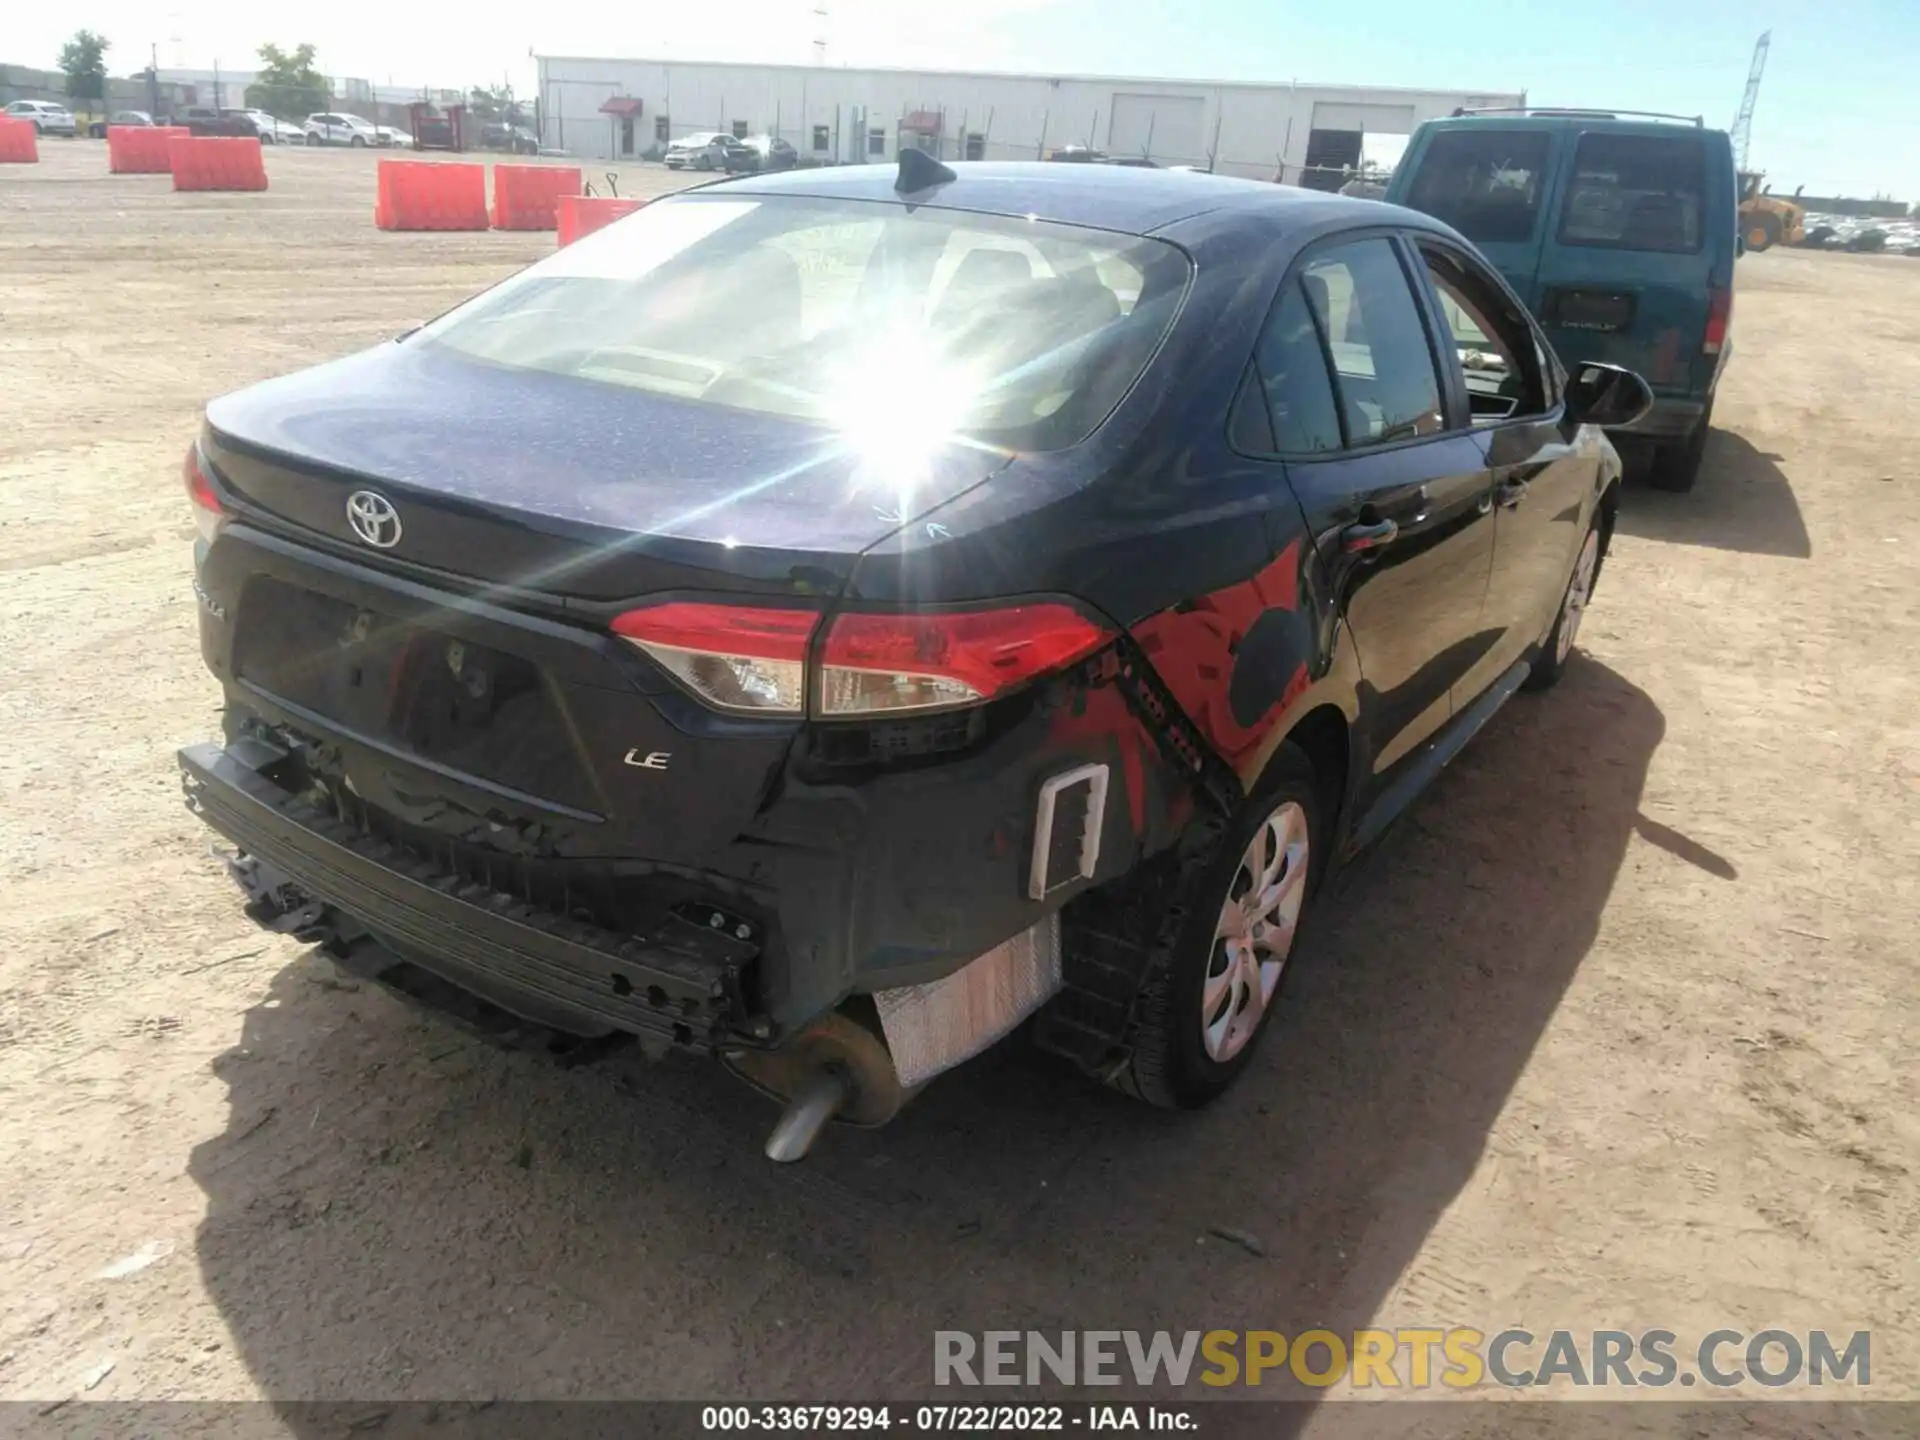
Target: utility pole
(153,81)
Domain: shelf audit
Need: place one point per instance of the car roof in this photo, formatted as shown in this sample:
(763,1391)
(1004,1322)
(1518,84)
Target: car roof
(1624,123)
(1103,197)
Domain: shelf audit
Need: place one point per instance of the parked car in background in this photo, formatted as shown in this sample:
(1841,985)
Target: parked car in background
(135,118)
(842,769)
(47,117)
(272,130)
(504,135)
(708,150)
(333,128)
(764,152)
(1078,155)
(1619,231)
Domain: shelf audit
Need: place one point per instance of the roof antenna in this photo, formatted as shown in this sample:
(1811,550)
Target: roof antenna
(920,171)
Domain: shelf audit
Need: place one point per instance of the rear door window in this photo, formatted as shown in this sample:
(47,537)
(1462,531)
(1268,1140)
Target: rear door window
(1383,368)
(1635,192)
(1293,379)
(1485,183)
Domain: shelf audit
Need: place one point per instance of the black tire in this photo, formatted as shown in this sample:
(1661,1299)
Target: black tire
(1551,663)
(1676,467)
(1169,1065)
(313,139)
(356,143)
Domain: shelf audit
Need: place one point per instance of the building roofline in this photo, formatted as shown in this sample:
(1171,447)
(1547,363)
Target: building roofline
(1030,75)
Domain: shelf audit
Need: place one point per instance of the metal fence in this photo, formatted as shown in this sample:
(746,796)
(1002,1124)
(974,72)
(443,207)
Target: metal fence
(854,135)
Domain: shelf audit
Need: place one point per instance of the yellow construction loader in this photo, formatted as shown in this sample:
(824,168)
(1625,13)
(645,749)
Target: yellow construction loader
(1768,220)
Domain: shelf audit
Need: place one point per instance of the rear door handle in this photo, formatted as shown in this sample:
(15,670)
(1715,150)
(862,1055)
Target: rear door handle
(1357,539)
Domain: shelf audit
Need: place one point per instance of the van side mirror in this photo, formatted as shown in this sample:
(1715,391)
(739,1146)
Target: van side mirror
(1609,396)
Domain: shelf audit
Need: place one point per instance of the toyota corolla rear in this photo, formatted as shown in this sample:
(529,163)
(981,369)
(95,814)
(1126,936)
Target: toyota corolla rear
(549,661)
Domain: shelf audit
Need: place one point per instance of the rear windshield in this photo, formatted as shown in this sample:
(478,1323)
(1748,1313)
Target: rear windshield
(1635,192)
(1486,183)
(863,316)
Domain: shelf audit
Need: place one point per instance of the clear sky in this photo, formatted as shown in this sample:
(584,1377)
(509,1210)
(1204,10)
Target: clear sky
(1839,110)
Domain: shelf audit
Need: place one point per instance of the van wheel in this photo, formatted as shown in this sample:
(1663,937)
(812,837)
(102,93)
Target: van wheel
(1209,998)
(1676,467)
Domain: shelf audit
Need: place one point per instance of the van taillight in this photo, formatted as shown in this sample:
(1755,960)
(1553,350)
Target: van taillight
(1719,319)
(754,660)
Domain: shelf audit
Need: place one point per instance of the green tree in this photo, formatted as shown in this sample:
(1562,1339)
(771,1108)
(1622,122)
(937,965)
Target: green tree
(84,59)
(494,102)
(288,86)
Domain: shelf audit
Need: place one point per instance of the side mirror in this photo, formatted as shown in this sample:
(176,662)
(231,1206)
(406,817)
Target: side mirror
(1609,396)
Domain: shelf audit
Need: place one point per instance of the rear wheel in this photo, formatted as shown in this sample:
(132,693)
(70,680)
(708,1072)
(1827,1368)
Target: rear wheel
(312,139)
(1676,467)
(357,143)
(1208,999)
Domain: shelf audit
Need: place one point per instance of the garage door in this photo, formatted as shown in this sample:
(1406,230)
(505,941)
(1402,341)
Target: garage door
(1167,127)
(1369,119)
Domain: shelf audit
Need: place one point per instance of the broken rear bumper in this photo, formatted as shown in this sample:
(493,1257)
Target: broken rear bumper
(684,987)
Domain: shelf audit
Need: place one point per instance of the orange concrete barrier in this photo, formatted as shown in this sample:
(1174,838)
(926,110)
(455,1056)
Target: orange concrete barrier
(141,149)
(216,162)
(19,142)
(424,195)
(524,196)
(577,215)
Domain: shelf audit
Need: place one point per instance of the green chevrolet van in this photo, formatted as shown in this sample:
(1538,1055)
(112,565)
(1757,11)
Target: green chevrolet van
(1619,230)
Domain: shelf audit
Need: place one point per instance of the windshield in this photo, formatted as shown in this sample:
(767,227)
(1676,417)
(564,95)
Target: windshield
(872,318)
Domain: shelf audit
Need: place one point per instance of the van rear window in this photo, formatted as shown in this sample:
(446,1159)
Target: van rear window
(1635,192)
(1486,183)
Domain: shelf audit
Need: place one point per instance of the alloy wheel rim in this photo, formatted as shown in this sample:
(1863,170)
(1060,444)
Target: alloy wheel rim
(1254,934)
(1579,589)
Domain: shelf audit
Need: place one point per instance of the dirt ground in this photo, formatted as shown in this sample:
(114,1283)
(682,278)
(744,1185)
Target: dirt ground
(1616,1030)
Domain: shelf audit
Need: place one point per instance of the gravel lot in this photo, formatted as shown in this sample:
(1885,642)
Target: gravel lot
(1617,1029)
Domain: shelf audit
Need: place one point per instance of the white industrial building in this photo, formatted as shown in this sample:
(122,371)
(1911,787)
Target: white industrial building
(614,109)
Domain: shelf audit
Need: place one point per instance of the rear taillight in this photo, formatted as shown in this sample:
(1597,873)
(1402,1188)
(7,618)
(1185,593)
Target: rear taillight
(737,658)
(1719,320)
(889,663)
(754,661)
(208,514)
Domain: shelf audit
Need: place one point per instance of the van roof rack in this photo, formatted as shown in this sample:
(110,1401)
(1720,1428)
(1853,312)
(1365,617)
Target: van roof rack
(1697,121)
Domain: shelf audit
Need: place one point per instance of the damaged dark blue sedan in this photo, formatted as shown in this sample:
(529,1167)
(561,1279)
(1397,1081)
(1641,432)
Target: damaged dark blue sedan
(826,619)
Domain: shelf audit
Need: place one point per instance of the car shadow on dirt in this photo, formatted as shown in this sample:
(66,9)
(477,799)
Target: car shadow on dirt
(1742,500)
(396,1210)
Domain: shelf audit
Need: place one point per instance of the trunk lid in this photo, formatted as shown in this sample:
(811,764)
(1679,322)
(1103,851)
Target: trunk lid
(568,487)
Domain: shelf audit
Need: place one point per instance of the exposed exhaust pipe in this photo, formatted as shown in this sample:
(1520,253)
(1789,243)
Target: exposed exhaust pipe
(835,1069)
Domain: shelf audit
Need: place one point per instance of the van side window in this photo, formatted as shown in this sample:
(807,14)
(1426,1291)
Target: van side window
(1635,192)
(1484,182)
(1292,376)
(1383,370)
(1498,353)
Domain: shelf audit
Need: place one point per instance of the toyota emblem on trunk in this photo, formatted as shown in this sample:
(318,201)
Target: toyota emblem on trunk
(374,519)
